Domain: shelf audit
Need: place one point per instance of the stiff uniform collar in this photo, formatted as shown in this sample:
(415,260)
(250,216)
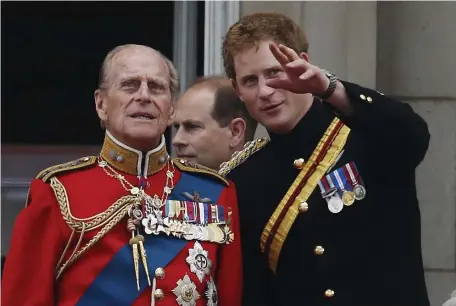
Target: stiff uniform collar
(311,126)
(129,160)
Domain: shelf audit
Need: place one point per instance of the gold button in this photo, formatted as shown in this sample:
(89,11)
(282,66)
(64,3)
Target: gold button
(329,293)
(303,207)
(369,99)
(299,163)
(159,294)
(319,250)
(362,97)
(160,273)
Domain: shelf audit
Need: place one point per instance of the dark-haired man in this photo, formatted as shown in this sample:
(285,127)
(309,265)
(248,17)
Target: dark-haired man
(211,122)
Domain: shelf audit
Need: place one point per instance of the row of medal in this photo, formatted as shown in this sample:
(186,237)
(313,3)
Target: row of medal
(342,187)
(185,219)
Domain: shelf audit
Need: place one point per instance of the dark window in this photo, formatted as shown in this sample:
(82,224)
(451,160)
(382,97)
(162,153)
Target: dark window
(51,55)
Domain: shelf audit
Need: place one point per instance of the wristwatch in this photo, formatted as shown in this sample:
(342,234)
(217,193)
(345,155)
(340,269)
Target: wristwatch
(332,85)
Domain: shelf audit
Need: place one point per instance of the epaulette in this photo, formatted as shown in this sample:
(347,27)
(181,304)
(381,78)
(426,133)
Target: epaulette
(239,157)
(189,166)
(80,163)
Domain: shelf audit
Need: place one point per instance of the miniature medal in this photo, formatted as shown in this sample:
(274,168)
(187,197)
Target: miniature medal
(348,197)
(360,192)
(218,234)
(358,189)
(154,223)
(335,204)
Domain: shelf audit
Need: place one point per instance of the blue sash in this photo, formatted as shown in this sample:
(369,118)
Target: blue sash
(116,283)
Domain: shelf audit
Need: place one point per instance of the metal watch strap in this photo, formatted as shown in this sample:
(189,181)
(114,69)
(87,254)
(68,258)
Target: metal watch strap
(332,85)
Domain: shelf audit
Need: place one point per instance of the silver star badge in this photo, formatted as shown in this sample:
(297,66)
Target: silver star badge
(186,292)
(199,261)
(211,293)
(154,223)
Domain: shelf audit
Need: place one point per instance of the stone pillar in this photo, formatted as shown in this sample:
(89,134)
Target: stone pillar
(185,49)
(416,49)
(219,16)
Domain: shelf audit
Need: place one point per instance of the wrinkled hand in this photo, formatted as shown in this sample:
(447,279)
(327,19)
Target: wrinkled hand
(300,76)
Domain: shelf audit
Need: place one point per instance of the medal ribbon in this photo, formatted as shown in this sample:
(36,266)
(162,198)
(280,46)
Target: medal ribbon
(339,181)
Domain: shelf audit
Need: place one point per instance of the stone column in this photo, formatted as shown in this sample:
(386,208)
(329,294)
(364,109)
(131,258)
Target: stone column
(219,16)
(184,47)
(416,50)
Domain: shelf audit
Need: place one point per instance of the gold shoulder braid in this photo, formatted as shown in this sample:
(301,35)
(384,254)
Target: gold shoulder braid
(108,219)
(80,163)
(188,166)
(239,157)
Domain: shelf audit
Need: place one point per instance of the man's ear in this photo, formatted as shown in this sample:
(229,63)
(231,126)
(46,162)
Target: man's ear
(101,105)
(305,56)
(236,89)
(172,113)
(237,128)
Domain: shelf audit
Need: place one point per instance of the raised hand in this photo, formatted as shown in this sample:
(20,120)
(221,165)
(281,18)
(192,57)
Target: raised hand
(300,76)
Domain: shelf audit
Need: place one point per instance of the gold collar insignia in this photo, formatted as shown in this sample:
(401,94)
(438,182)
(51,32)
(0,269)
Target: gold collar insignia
(132,161)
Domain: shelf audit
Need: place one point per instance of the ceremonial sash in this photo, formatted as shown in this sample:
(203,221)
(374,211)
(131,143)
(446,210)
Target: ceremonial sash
(279,225)
(115,285)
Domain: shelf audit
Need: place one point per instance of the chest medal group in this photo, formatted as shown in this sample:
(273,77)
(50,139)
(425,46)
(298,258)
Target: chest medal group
(197,219)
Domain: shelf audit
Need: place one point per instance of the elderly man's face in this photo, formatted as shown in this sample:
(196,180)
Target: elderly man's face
(137,105)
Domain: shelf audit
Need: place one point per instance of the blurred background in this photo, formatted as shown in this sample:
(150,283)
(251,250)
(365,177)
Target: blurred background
(52,51)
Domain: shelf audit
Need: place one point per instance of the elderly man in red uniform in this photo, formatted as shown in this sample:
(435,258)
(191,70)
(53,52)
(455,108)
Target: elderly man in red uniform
(130,226)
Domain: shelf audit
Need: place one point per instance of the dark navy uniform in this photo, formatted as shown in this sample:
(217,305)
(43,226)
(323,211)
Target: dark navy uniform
(367,254)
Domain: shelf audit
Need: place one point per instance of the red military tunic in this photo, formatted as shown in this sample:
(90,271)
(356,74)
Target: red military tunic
(104,273)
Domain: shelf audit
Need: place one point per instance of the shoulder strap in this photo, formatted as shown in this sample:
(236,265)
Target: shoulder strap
(80,163)
(239,157)
(188,166)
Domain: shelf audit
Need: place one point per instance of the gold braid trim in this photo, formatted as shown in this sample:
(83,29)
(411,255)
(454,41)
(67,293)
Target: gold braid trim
(239,157)
(93,222)
(52,171)
(189,166)
(108,219)
(94,240)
